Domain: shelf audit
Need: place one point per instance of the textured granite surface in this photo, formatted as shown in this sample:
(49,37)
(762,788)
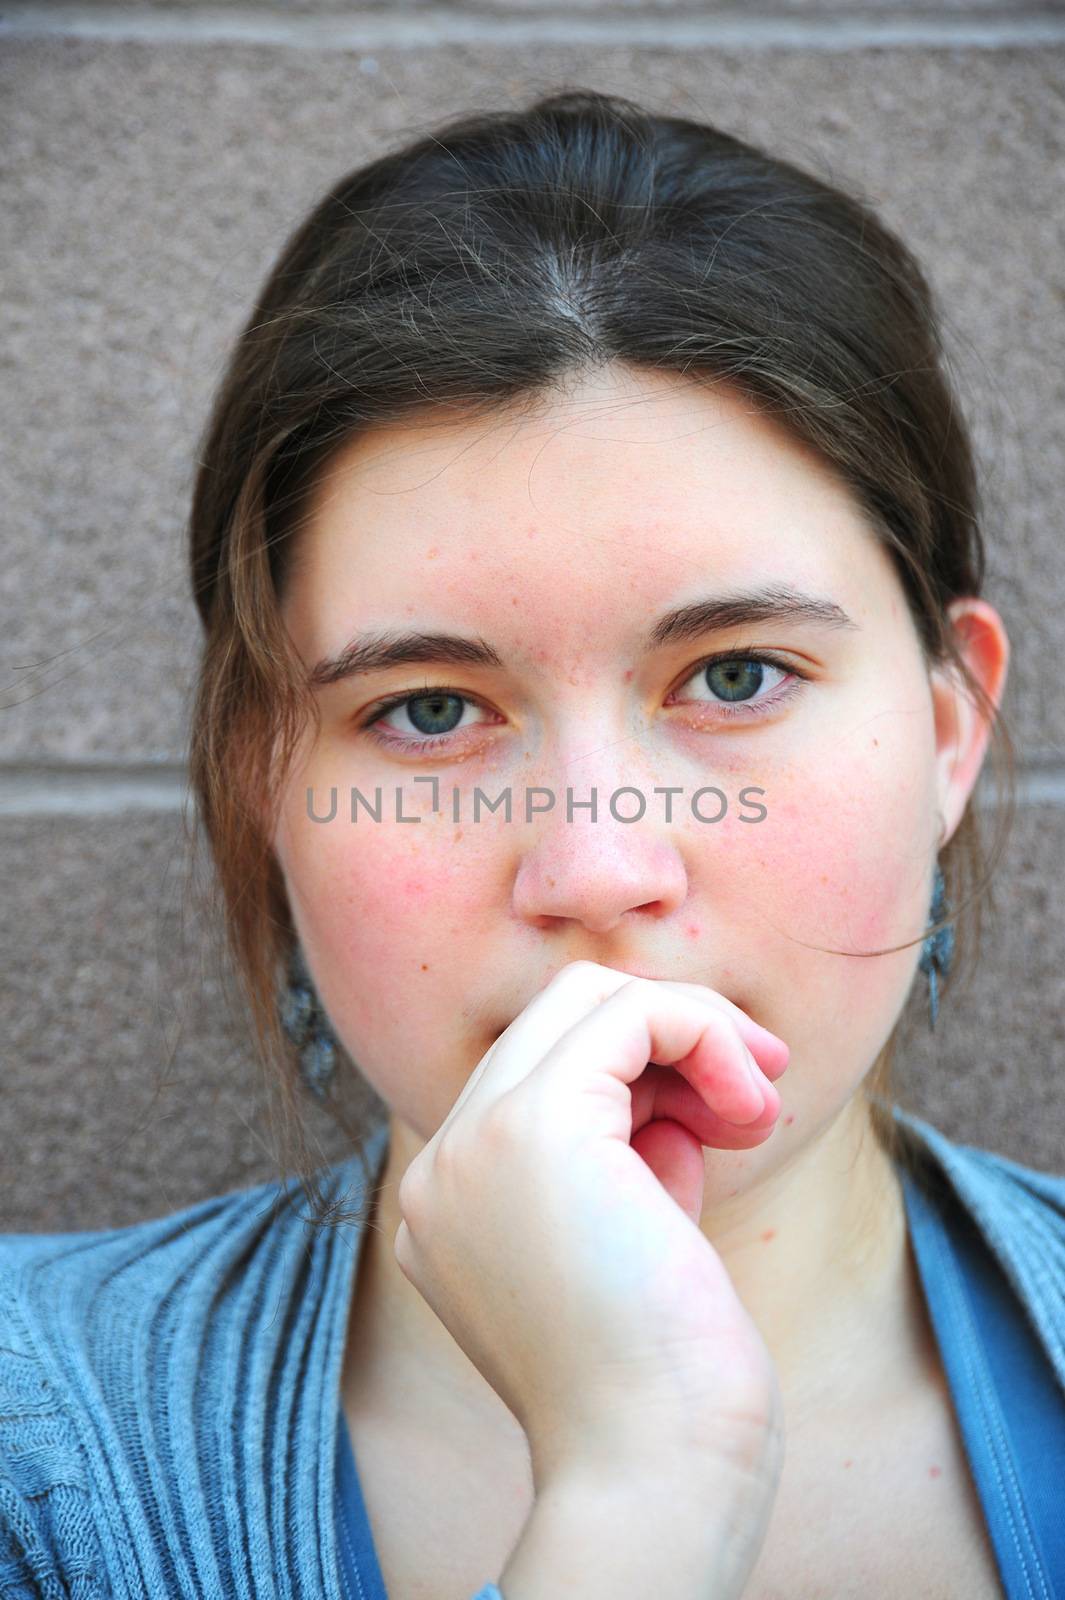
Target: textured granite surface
(148,188)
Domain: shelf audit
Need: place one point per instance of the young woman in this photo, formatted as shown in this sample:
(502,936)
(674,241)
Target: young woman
(595,684)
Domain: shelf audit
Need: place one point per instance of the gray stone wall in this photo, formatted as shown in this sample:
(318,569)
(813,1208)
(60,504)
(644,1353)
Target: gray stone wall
(155,157)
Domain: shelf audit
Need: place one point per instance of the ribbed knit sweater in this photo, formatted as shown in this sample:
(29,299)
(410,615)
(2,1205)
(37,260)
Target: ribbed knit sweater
(169,1390)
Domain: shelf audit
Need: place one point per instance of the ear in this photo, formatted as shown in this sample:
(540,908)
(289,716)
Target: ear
(962,729)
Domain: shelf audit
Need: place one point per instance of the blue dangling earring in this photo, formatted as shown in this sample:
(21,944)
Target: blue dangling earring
(308,1027)
(938,947)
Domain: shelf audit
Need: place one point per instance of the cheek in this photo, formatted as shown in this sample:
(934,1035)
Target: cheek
(842,862)
(398,896)
(387,913)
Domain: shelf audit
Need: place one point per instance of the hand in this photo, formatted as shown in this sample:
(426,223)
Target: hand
(552,1224)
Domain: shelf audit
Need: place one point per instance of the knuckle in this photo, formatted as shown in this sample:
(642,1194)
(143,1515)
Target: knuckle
(460,1154)
(403,1250)
(635,993)
(410,1194)
(499,1127)
(714,1021)
(577,975)
(584,982)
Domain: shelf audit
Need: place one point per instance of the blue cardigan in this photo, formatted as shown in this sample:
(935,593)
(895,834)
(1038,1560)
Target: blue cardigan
(169,1414)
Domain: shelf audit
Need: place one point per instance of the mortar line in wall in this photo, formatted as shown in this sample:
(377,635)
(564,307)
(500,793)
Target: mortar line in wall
(440,25)
(103,789)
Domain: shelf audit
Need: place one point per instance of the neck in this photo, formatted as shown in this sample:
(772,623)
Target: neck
(818,1252)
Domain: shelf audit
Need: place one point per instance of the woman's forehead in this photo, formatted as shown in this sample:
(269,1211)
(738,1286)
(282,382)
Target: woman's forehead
(670,478)
(664,430)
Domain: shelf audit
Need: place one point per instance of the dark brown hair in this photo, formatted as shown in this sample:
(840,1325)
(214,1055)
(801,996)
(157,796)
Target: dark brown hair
(481,265)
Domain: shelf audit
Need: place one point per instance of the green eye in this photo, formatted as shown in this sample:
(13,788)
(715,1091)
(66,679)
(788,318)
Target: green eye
(734,682)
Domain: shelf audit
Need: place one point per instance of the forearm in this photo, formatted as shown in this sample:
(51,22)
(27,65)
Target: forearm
(633,1536)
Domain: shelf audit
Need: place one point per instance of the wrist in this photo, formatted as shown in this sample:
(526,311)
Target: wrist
(633,1447)
(653,1525)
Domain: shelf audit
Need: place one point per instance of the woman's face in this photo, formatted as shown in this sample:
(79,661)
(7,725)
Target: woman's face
(559,539)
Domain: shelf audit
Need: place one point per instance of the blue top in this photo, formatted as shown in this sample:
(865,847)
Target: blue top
(169,1391)
(1005,1392)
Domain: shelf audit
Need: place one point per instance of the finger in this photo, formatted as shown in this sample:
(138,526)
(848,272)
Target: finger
(661,1093)
(571,994)
(767,1047)
(676,1159)
(647,1021)
(574,993)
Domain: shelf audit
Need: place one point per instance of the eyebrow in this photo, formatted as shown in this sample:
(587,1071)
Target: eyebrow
(374,652)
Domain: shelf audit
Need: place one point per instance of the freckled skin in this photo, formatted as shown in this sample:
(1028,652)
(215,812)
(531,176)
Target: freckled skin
(599,515)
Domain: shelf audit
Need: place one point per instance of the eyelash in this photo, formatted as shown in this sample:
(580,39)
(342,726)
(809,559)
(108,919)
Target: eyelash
(729,713)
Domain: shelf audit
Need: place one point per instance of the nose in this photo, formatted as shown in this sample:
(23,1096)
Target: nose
(595,873)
